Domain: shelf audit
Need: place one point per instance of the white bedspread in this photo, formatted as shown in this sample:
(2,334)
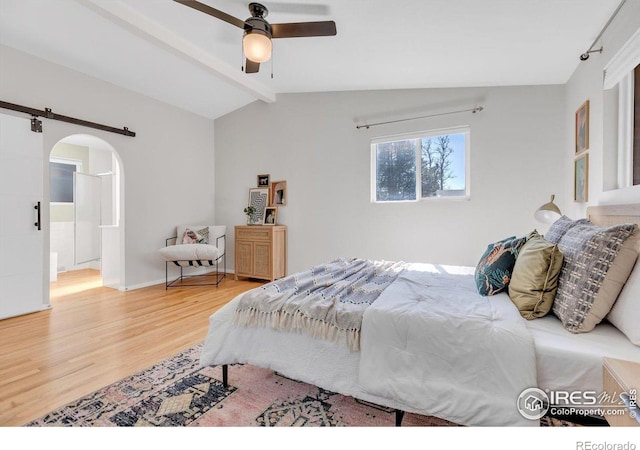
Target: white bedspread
(442,351)
(433,344)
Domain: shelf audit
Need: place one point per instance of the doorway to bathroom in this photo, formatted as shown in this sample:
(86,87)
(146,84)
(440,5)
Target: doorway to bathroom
(85,207)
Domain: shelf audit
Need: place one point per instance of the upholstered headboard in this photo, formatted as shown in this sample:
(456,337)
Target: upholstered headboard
(609,215)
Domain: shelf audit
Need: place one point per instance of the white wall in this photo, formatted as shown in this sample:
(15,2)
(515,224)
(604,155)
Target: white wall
(586,84)
(311,141)
(168,168)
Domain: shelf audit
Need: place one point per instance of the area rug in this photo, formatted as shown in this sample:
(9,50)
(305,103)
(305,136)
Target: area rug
(177,392)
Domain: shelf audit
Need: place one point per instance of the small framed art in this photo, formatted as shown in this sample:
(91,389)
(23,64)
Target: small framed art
(278,193)
(259,199)
(582,128)
(270,215)
(581,179)
(263,181)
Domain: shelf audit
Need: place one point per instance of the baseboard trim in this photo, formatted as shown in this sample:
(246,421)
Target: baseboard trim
(141,285)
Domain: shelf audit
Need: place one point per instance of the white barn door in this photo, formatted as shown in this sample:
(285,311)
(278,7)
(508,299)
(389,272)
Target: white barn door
(21,243)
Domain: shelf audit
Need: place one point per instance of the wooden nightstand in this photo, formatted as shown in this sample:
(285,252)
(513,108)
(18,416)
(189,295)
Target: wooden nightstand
(261,251)
(622,377)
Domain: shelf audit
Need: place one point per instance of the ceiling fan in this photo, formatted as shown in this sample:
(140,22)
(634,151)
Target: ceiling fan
(256,42)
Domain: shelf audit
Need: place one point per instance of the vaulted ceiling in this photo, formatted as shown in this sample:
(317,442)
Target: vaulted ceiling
(183,57)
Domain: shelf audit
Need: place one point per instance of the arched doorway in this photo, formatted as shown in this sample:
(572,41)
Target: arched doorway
(86,211)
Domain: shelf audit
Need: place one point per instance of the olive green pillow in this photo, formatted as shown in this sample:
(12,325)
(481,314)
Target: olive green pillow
(534,281)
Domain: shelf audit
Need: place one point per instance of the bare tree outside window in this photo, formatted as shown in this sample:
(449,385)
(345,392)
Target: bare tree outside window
(436,163)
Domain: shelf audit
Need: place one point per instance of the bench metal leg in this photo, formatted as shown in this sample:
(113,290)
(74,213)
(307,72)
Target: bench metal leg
(399,417)
(225,375)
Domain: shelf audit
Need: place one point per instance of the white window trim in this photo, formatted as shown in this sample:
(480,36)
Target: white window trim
(620,72)
(625,131)
(462,129)
(627,58)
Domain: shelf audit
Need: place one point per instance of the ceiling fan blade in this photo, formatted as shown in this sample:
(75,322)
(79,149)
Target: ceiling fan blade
(303,29)
(251,66)
(213,12)
(297,8)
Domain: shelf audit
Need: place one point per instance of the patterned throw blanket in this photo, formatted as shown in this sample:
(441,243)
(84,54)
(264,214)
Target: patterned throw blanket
(326,301)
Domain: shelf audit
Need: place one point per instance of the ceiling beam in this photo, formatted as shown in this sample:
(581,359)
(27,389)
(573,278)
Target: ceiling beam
(129,18)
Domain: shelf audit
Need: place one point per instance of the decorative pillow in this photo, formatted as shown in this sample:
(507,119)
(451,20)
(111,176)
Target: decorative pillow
(196,237)
(589,280)
(215,232)
(534,281)
(561,226)
(494,269)
(625,314)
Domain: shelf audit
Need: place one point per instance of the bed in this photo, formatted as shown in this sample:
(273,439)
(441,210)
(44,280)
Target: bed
(441,354)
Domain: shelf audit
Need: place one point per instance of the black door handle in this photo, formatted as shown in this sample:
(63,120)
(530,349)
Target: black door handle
(39,222)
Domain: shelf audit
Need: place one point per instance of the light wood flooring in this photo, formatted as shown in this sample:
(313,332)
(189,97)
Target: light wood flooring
(94,336)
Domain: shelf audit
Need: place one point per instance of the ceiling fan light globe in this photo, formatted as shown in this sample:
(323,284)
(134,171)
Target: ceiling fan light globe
(257,47)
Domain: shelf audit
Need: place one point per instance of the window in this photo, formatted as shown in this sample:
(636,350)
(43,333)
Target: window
(61,179)
(422,165)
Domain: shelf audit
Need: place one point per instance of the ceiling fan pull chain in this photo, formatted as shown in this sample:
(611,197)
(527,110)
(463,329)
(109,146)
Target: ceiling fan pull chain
(272,58)
(241,58)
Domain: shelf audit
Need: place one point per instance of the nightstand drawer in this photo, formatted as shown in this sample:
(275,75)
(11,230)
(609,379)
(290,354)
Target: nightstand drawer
(622,378)
(254,233)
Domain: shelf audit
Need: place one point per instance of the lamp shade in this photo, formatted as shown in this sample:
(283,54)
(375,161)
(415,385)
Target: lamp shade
(257,46)
(548,213)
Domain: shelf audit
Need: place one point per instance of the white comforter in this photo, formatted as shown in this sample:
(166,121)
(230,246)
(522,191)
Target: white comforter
(433,344)
(430,345)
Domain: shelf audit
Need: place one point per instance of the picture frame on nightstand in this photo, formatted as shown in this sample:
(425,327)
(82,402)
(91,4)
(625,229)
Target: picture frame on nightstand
(259,199)
(270,215)
(263,181)
(278,191)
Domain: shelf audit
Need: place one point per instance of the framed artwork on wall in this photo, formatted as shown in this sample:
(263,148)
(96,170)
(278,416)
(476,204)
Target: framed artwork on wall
(581,179)
(263,181)
(270,215)
(278,193)
(582,128)
(259,199)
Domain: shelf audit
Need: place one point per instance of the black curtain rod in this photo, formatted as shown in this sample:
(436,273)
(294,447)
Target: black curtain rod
(47,113)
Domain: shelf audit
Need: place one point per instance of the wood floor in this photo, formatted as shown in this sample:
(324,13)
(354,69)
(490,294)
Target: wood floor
(94,336)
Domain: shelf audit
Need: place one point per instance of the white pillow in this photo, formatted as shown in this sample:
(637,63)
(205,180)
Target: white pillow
(189,252)
(625,314)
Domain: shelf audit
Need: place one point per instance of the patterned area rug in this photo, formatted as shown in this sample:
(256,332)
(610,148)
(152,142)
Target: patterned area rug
(177,392)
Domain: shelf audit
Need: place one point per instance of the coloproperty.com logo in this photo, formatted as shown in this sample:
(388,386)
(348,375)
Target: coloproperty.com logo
(534,403)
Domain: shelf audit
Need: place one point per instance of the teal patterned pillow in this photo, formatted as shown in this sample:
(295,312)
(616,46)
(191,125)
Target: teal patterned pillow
(494,269)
